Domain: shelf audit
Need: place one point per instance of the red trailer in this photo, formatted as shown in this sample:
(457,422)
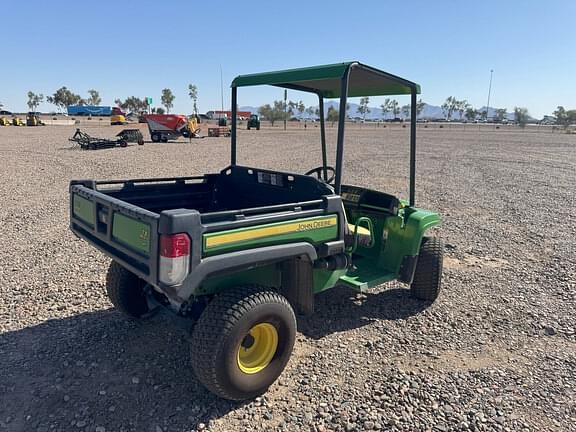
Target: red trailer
(163,127)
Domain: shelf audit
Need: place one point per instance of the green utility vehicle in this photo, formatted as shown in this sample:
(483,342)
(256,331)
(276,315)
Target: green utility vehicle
(253,122)
(242,250)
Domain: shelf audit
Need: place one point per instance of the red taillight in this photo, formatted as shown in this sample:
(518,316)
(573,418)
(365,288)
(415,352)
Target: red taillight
(174,262)
(174,245)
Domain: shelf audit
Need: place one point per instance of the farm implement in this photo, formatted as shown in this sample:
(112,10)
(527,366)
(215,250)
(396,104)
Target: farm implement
(164,127)
(88,142)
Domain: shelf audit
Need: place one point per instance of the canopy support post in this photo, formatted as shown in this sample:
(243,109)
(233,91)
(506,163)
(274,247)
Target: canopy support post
(341,122)
(413,113)
(323,135)
(233,130)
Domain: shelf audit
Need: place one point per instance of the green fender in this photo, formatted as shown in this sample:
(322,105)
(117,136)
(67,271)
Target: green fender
(404,236)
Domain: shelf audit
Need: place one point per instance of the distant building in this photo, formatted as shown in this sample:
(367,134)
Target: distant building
(217,115)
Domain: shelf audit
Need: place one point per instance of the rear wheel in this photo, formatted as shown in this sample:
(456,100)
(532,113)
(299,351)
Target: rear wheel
(428,275)
(242,341)
(126,291)
(155,137)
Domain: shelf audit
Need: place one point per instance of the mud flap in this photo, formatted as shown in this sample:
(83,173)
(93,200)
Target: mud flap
(298,284)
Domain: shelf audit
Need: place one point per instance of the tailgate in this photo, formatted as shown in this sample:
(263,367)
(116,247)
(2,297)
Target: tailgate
(125,232)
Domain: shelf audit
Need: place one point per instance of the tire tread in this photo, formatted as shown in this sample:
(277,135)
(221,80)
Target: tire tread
(217,322)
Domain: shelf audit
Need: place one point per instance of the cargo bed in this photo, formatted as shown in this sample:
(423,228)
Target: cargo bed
(124,218)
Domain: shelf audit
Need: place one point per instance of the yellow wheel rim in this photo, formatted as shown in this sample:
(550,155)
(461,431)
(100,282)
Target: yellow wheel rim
(257,348)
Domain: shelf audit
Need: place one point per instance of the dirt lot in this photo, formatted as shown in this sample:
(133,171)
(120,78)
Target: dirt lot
(497,351)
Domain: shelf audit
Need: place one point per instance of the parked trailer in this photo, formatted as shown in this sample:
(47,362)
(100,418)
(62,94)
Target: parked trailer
(86,110)
(164,127)
(219,131)
(88,142)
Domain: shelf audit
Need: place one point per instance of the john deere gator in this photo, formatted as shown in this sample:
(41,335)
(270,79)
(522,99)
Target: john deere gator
(241,251)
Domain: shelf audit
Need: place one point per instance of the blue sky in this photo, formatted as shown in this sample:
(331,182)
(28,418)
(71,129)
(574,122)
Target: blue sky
(128,47)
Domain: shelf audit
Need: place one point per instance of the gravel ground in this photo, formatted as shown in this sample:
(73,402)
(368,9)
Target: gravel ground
(497,351)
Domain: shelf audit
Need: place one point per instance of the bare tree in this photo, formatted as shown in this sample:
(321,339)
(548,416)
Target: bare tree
(193,93)
(386,107)
(34,100)
(363,108)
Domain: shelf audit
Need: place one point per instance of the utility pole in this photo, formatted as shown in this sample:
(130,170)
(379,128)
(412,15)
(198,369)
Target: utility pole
(489,90)
(221,90)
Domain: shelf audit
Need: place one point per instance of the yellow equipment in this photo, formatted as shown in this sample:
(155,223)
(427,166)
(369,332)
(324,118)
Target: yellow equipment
(193,126)
(32,119)
(117,119)
(4,121)
(17,121)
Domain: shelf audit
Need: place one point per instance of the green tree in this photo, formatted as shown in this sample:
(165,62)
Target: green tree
(132,104)
(310,111)
(449,106)
(301,108)
(471,114)
(500,114)
(363,107)
(94,98)
(561,117)
(521,116)
(395,108)
(386,107)
(167,99)
(332,115)
(193,93)
(63,98)
(273,113)
(33,101)
(158,110)
(570,117)
(279,110)
(265,112)
(291,107)
(420,105)
(461,107)
(406,111)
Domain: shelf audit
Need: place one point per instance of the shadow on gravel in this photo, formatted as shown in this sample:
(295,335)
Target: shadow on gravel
(99,369)
(341,309)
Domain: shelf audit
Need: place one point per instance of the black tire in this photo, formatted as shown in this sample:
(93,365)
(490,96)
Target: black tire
(141,142)
(155,137)
(123,143)
(428,275)
(126,291)
(224,325)
(258,127)
(164,139)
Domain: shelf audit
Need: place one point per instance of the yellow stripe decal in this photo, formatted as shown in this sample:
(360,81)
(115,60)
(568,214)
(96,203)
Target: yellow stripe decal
(256,233)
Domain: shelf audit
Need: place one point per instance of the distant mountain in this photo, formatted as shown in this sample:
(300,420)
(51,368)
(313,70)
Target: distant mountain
(431,112)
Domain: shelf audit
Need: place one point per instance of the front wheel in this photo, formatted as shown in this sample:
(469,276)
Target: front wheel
(126,291)
(428,274)
(242,342)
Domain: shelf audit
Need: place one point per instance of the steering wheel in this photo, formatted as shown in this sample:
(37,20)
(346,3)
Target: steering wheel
(320,170)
